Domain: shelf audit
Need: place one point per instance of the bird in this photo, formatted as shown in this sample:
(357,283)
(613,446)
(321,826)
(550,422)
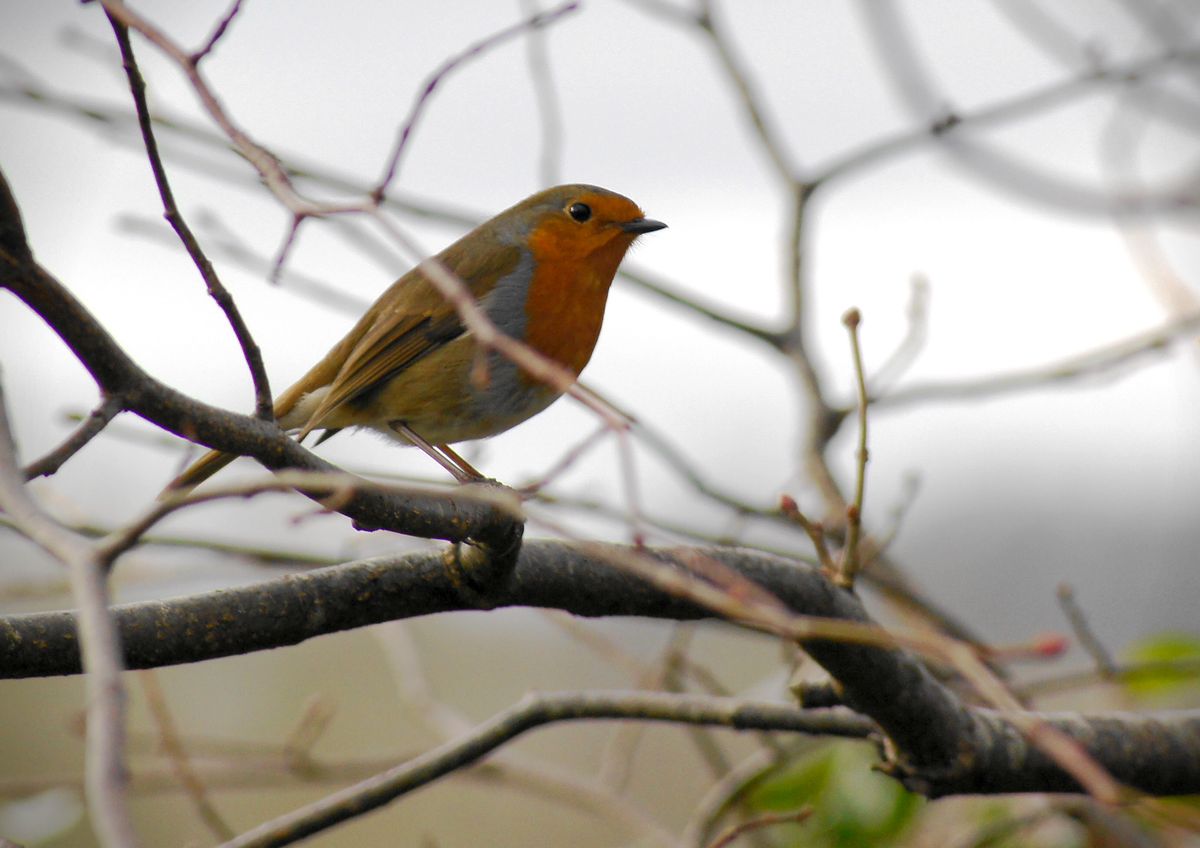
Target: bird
(409,368)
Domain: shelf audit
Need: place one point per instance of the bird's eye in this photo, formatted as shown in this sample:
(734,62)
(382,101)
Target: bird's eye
(580,212)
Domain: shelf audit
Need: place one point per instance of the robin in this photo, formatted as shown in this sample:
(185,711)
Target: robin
(540,271)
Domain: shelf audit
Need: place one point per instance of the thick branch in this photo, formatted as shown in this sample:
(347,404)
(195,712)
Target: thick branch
(941,745)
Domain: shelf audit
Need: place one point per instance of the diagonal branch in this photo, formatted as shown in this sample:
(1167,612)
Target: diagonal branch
(533,711)
(1104,361)
(87,430)
(216,289)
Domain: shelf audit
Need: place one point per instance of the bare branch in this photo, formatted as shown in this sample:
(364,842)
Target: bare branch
(535,21)
(98,649)
(88,429)
(1105,664)
(218,32)
(1104,361)
(549,109)
(747,94)
(656,286)
(734,832)
(218,292)
(910,346)
(1005,748)
(850,562)
(534,711)
(889,32)
(173,746)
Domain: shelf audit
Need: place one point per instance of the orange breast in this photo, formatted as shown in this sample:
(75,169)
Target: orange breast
(565,306)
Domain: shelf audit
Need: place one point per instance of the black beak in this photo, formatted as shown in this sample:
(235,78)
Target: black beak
(638,226)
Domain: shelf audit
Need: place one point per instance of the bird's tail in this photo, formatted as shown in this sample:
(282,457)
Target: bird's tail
(199,471)
(286,411)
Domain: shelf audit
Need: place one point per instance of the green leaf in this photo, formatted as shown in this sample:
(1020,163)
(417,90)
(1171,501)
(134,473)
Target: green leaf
(1172,661)
(798,783)
(853,805)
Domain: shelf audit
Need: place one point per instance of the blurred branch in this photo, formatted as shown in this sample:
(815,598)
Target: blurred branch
(1087,638)
(1103,361)
(533,22)
(509,767)
(736,831)
(914,86)
(97,646)
(122,128)
(1038,25)
(258,554)
(1121,674)
(232,765)
(549,110)
(747,93)
(1017,107)
(724,793)
(534,711)
(902,358)
(181,766)
(658,287)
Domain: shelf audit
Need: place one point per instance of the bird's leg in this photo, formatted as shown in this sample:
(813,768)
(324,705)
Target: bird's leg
(454,457)
(458,467)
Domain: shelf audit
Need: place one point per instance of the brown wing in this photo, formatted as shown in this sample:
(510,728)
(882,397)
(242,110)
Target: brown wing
(384,352)
(412,319)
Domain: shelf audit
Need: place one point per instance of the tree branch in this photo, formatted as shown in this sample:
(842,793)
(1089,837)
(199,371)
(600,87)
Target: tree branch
(216,289)
(454,516)
(536,710)
(938,744)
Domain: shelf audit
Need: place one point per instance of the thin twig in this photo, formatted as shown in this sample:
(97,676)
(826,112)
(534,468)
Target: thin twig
(533,22)
(1098,362)
(850,563)
(658,287)
(534,487)
(813,529)
(549,109)
(902,358)
(274,175)
(89,428)
(733,832)
(748,95)
(1105,664)
(448,723)
(105,776)
(263,407)
(1023,105)
(719,798)
(1127,673)
(907,70)
(314,720)
(531,712)
(172,745)
(217,33)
